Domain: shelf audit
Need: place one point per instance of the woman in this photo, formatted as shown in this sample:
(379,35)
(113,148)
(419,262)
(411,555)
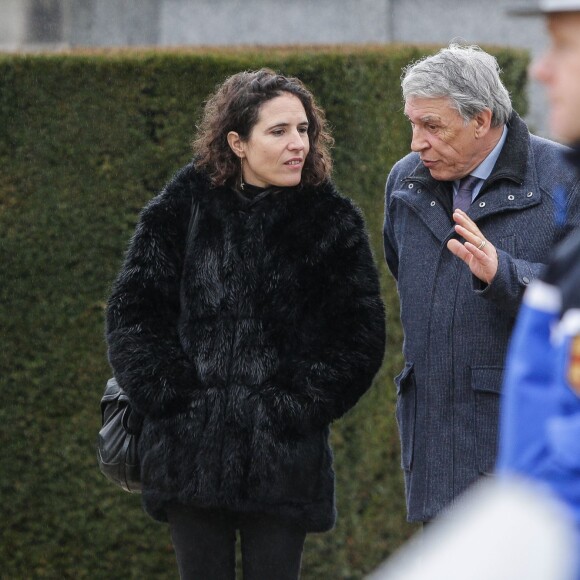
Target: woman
(246,318)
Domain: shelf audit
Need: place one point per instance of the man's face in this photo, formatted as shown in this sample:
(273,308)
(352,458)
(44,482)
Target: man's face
(559,70)
(449,147)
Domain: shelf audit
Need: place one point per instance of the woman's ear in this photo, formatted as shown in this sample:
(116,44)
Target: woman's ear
(236,144)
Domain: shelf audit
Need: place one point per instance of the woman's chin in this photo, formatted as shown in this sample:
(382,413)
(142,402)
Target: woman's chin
(289,181)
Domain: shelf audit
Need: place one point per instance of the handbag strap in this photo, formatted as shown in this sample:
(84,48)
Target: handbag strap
(193,220)
(191,228)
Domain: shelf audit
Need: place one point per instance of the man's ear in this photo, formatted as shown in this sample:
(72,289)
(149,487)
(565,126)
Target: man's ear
(236,144)
(482,123)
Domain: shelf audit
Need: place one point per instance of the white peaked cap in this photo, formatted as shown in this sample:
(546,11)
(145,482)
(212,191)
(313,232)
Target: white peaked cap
(547,7)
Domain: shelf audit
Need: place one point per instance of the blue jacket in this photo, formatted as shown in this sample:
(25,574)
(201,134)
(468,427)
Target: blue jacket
(540,414)
(456,328)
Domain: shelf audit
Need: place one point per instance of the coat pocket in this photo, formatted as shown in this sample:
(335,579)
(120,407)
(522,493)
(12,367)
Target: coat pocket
(405,412)
(486,384)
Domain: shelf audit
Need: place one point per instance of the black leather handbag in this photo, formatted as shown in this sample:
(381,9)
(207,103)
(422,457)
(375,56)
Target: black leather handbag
(117,452)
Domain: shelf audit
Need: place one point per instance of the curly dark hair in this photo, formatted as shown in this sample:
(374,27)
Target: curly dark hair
(235,106)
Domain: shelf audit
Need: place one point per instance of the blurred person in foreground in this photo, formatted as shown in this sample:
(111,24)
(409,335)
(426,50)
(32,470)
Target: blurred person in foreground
(540,415)
(246,319)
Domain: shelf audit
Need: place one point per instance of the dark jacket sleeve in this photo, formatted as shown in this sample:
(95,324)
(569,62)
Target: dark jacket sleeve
(510,282)
(339,343)
(389,241)
(514,275)
(143,344)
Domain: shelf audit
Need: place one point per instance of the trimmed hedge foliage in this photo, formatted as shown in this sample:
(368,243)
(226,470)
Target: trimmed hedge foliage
(85,141)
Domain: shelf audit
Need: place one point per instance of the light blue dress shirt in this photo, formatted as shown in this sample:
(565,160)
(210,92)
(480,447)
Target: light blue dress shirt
(484,169)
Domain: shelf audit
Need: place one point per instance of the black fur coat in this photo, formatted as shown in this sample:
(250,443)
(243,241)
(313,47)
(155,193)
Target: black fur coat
(241,328)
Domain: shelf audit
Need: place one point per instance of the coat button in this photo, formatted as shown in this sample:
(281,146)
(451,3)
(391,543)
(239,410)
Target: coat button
(525,280)
(530,194)
(511,197)
(432,204)
(410,186)
(482,204)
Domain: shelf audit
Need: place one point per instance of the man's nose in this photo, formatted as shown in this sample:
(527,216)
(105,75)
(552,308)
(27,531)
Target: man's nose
(540,69)
(418,141)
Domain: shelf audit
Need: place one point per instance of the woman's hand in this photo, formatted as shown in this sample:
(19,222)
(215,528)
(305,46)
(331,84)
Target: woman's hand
(477,252)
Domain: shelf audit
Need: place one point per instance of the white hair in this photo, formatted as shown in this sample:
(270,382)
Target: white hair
(466,75)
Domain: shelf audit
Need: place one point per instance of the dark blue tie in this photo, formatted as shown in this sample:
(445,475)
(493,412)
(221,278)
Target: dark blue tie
(465,192)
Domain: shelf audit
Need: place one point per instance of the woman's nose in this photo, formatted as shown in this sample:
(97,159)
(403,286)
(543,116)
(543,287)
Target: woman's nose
(296,141)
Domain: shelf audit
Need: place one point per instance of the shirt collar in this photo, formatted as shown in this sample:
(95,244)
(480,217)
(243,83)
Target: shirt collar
(484,169)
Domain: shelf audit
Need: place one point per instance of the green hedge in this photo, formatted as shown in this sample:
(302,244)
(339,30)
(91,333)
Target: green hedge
(85,141)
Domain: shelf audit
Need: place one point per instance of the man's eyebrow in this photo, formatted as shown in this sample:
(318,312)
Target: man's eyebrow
(430,118)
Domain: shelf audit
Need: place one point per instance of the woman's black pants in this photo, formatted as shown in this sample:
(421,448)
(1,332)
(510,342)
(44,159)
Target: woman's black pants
(205,540)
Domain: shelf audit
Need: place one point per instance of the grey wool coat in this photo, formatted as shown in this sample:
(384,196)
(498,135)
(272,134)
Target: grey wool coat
(456,328)
(241,327)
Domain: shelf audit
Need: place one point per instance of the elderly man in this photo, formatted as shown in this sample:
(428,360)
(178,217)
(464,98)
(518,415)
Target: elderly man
(469,222)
